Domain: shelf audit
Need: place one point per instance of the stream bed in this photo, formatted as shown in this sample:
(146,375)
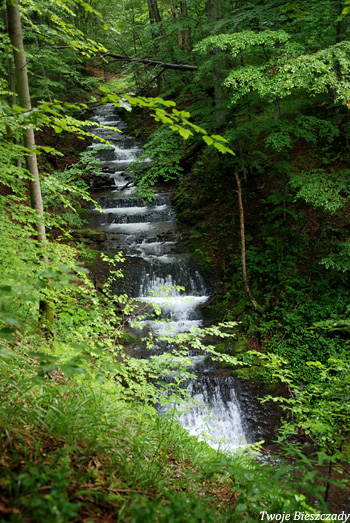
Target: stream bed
(226,409)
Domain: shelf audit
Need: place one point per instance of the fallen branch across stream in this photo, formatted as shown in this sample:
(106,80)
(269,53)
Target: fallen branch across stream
(122,58)
(176,67)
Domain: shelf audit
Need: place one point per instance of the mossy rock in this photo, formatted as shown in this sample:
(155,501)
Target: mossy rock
(239,308)
(221,348)
(257,374)
(241,345)
(251,373)
(89,236)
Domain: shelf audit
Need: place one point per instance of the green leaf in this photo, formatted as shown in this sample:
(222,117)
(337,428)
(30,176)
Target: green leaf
(167,103)
(6,289)
(208,140)
(6,354)
(125,105)
(221,147)
(48,273)
(6,333)
(184,132)
(10,320)
(18,109)
(218,137)
(50,150)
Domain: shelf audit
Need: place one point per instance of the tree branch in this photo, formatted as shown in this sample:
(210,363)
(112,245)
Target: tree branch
(176,67)
(256,306)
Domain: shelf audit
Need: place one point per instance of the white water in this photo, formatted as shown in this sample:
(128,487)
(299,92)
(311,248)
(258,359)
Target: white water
(161,277)
(212,419)
(133,210)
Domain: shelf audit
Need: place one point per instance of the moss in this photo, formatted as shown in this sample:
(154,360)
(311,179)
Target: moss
(257,374)
(241,345)
(247,373)
(89,236)
(221,347)
(239,308)
(128,339)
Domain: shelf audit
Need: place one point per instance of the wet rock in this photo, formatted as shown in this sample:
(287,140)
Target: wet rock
(89,236)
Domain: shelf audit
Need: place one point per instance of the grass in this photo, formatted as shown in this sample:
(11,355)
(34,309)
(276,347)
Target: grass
(81,441)
(75,452)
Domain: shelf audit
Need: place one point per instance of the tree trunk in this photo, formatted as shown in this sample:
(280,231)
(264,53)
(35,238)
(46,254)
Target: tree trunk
(12,86)
(154,11)
(181,14)
(154,17)
(256,306)
(186,31)
(22,89)
(176,15)
(214,11)
(15,33)
(340,24)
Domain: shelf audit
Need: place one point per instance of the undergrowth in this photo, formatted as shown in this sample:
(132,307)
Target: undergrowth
(81,440)
(73,450)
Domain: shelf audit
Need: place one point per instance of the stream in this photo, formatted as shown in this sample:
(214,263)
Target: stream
(226,409)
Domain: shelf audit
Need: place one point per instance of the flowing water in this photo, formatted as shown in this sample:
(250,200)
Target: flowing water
(156,266)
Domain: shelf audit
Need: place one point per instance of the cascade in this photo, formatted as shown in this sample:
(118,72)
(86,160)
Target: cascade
(148,236)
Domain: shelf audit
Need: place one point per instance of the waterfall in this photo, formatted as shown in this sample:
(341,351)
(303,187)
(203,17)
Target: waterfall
(161,274)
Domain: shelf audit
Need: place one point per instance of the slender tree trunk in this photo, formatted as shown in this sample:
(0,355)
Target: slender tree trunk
(256,306)
(328,482)
(12,82)
(214,11)
(154,17)
(12,85)
(340,24)
(186,31)
(15,33)
(156,32)
(180,13)
(176,15)
(154,7)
